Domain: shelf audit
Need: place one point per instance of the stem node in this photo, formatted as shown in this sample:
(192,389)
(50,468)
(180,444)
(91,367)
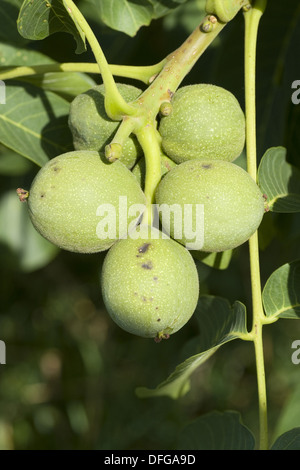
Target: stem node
(113,152)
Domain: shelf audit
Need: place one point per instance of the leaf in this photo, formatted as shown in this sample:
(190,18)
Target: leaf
(34,123)
(129,16)
(17,233)
(218,323)
(14,56)
(290,440)
(281,294)
(217,431)
(66,84)
(280,181)
(38,19)
(9,10)
(215,260)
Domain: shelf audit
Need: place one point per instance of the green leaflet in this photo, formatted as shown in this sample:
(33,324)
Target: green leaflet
(34,122)
(39,19)
(280,181)
(129,16)
(290,440)
(281,294)
(218,323)
(216,431)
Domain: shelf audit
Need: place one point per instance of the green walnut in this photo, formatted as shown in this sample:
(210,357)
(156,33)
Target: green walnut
(92,129)
(225,10)
(139,169)
(150,284)
(216,206)
(77,201)
(207,123)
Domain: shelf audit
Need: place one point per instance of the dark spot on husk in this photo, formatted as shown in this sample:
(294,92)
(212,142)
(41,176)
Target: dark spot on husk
(155,278)
(42,194)
(144,248)
(206,166)
(147,265)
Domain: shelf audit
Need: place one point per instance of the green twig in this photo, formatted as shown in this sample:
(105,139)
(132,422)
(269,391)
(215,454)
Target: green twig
(149,141)
(143,74)
(115,105)
(179,63)
(252,19)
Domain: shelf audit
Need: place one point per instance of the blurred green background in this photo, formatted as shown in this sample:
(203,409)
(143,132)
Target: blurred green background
(70,377)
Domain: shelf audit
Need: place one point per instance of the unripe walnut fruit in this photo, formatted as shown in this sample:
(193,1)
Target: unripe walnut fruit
(67,194)
(150,284)
(92,129)
(206,123)
(225,10)
(232,202)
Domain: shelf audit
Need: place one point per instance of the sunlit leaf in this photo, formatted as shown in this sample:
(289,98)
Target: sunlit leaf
(15,56)
(66,84)
(38,19)
(218,324)
(281,294)
(34,122)
(280,181)
(129,16)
